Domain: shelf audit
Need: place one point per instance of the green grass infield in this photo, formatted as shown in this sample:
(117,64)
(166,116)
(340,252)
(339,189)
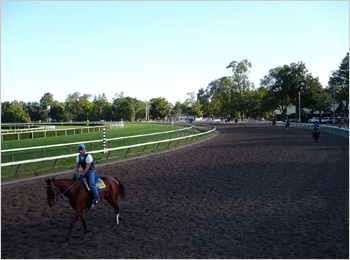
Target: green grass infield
(40,168)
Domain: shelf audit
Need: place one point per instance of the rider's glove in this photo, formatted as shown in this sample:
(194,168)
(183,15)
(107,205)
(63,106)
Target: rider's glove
(74,177)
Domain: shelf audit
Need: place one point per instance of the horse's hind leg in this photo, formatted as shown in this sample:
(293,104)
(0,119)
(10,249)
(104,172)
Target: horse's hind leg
(115,206)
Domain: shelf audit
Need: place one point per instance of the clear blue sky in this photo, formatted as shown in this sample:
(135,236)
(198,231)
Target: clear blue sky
(160,48)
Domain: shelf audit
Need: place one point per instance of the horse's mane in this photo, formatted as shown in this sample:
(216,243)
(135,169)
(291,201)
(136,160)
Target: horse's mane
(54,179)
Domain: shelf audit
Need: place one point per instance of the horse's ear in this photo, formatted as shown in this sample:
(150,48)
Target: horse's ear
(48,181)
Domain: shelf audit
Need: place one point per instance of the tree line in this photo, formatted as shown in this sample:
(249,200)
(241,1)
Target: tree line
(226,97)
(78,107)
(236,96)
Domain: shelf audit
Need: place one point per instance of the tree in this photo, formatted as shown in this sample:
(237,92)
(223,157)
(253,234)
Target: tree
(13,112)
(176,110)
(124,109)
(284,83)
(340,80)
(100,104)
(240,78)
(78,107)
(35,111)
(254,105)
(46,100)
(72,105)
(196,109)
(203,97)
(321,101)
(140,110)
(159,108)
(193,107)
(57,111)
(220,91)
(240,81)
(118,96)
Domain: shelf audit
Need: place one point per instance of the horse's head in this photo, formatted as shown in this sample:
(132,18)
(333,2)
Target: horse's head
(51,192)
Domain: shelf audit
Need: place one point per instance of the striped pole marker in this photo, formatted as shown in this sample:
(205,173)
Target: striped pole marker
(104,141)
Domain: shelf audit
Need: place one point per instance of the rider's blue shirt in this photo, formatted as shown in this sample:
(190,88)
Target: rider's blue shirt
(316,125)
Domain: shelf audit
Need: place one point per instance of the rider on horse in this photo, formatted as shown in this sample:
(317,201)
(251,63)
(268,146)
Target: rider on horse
(85,160)
(316,132)
(316,125)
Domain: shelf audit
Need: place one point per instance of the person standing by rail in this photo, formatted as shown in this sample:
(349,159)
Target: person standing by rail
(86,161)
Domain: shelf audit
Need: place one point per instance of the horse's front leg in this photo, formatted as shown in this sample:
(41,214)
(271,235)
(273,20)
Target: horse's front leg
(77,215)
(82,217)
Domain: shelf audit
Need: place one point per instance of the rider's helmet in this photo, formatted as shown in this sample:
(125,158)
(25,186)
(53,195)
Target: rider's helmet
(81,147)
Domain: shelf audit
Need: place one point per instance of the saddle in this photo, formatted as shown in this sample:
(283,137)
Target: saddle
(100,185)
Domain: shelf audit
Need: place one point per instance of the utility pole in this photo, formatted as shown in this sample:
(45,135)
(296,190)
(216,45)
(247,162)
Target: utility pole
(299,109)
(333,105)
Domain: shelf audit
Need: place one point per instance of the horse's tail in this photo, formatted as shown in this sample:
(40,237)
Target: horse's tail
(121,189)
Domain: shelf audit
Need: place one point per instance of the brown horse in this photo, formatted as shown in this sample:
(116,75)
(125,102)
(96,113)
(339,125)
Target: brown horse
(80,199)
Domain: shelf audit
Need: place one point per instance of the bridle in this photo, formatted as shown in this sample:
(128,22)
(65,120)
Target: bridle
(54,189)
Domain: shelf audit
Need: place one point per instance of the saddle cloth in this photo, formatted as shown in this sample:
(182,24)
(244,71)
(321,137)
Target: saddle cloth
(100,185)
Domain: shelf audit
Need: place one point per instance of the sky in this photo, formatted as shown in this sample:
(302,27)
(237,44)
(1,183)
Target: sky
(151,49)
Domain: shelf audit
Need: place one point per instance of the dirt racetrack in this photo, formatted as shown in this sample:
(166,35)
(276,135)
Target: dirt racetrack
(249,192)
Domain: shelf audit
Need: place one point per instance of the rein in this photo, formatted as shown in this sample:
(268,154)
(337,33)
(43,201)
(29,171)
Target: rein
(61,193)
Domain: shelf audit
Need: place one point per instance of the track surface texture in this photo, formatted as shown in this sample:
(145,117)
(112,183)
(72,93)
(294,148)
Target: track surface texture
(249,192)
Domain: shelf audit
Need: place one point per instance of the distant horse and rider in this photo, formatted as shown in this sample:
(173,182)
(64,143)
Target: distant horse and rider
(274,122)
(287,124)
(316,132)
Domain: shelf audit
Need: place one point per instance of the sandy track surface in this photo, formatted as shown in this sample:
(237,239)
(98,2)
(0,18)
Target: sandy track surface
(250,192)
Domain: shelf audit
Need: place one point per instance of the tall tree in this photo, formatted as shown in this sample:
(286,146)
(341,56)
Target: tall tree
(46,100)
(203,96)
(193,107)
(159,108)
(101,103)
(72,106)
(240,81)
(124,109)
(176,110)
(284,83)
(340,80)
(220,96)
(57,112)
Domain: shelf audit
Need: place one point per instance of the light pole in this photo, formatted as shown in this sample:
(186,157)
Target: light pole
(147,111)
(299,109)
(333,105)
(48,111)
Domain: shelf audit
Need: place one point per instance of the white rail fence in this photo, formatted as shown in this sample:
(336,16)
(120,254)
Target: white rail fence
(52,129)
(26,130)
(342,130)
(110,150)
(93,141)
